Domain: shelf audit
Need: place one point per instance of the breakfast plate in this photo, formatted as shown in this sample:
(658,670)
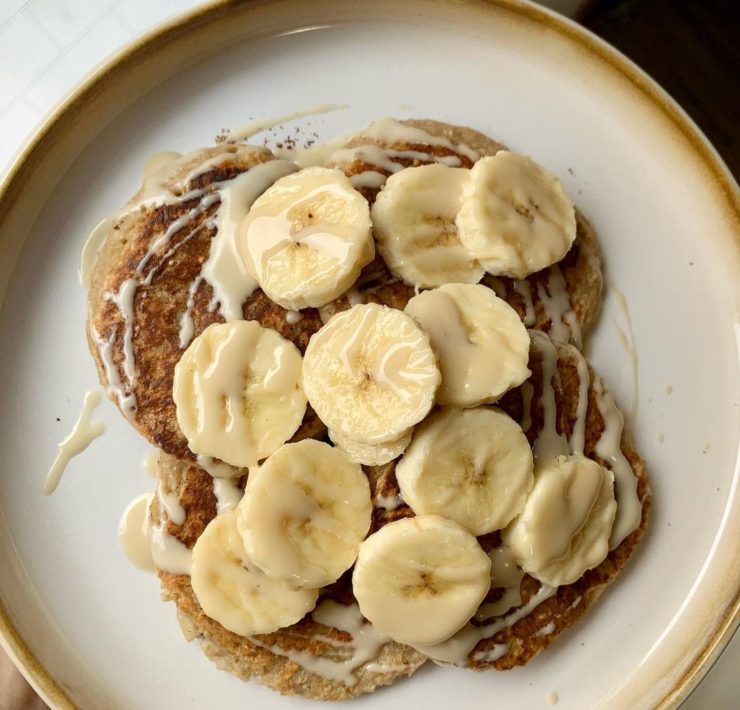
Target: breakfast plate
(88,629)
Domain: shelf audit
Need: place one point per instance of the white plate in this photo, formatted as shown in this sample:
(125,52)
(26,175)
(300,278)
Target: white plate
(89,628)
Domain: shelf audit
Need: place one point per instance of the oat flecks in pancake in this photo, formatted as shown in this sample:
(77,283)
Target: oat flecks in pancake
(239,654)
(527,637)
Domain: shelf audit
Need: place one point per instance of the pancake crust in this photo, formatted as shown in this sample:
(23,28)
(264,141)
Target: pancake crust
(524,639)
(240,655)
(580,269)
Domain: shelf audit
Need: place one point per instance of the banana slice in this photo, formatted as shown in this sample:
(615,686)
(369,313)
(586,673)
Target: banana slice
(565,525)
(414,223)
(515,217)
(370,374)
(304,514)
(482,344)
(306,239)
(238,394)
(234,591)
(420,579)
(371,454)
(473,466)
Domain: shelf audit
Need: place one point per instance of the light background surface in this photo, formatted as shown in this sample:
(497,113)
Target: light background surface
(48,46)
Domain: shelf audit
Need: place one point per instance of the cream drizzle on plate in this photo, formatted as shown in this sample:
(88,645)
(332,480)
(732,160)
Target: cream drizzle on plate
(254,127)
(82,435)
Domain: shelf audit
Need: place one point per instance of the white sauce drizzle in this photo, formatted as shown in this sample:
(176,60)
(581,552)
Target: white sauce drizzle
(91,249)
(151,461)
(217,469)
(609,448)
(505,575)
(124,300)
(170,502)
(224,269)
(552,698)
(549,443)
(115,387)
(547,629)
(228,494)
(578,437)
(524,289)
(381,157)
(389,130)
(82,435)
(627,339)
(168,553)
(564,322)
(254,127)
(133,533)
(368,178)
(456,649)
(310,156)
(389,502)
(366,643)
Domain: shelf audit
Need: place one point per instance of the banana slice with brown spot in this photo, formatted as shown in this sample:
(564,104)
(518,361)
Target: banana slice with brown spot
(515,217)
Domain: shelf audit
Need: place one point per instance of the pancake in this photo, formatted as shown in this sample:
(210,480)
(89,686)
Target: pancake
(266,658)
(140,290)
(148,296)
(563,300)
(581,411)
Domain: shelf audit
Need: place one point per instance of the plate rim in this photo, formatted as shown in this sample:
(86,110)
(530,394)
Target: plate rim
(141,49)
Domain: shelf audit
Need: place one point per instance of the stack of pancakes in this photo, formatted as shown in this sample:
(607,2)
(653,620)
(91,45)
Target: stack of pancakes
(142,345)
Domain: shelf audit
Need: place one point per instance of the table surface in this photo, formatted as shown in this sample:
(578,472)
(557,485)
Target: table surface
(60,41)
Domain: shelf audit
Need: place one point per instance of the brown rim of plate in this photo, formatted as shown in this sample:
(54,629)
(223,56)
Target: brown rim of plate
(139,51)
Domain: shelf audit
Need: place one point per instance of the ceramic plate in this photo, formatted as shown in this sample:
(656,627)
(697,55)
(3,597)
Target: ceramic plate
(88,628)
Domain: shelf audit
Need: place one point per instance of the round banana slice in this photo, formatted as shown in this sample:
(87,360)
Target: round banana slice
(565,525)
(370,374)
(234,591)
(304,514)
(237,392)
(414,223)
(473,466)
(515,217)
(482,344)
(371,454)
(420,579)
(306,239)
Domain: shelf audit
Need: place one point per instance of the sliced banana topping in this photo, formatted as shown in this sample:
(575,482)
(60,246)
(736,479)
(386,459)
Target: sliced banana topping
(473,466)
(304,514)
(414,223)
(515,217)
(370,374)
(565,525)
(420,579)
(307,237)
(234,591)
(483,346)
(371,454)
(238,394)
